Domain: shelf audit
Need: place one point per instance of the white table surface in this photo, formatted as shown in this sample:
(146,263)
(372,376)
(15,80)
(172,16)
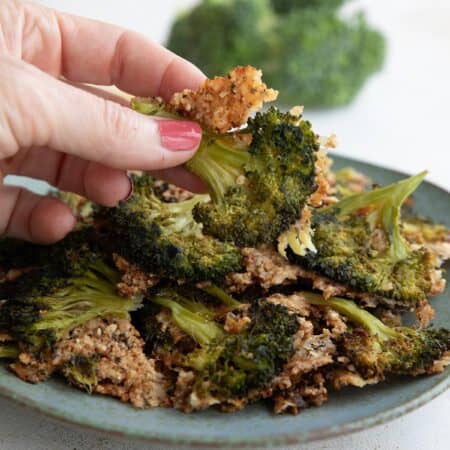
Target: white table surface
(401,119)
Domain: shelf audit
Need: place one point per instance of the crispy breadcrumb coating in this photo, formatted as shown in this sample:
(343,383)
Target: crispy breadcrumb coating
(224,103)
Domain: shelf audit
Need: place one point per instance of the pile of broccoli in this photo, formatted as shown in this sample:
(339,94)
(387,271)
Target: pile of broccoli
(306,48)
(165,269)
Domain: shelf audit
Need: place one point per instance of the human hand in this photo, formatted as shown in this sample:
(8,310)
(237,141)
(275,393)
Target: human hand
(74,138)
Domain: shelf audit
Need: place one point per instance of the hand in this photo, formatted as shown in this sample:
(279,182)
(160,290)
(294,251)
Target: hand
(71,137)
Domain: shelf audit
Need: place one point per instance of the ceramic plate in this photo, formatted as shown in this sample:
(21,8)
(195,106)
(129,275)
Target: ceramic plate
(349,410)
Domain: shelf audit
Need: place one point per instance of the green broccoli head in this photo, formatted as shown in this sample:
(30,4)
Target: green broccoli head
(257,191)
(305,47)
(163,238)
(377,350)
(228,366)
(63,295)
(325,58)
(268,184)
(226,34)
(235,364)
(358,243)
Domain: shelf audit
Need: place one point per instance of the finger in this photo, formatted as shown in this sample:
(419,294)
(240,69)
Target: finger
(33,218)
(44,112)
(179,176)
(99,183)
(95,52)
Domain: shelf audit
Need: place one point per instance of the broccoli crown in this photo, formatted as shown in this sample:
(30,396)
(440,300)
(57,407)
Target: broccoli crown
(163,238)
(226,33)
(230,365)
(325,59)
(358,242)
(62,295)
(259,192)
(378,350)
(319,58)
(235,364)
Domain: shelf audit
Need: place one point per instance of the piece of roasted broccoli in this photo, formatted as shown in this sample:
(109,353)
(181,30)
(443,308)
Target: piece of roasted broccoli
(358,243)
(378,350)
(318,57)
(63,294)
(163,238)
(257,191)
(226,365)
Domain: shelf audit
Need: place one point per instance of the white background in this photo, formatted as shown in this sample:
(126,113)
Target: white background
(401,120)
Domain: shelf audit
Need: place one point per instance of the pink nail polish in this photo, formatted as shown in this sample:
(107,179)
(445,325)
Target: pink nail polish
(179,134)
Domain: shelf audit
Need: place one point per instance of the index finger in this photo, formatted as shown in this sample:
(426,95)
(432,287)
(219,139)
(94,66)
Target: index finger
(100,53)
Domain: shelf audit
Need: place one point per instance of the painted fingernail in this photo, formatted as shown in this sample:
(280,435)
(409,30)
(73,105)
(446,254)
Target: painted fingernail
(131,192)
(179,134)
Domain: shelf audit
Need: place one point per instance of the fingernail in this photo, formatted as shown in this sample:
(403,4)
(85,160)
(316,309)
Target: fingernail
(179,134)
(131,192)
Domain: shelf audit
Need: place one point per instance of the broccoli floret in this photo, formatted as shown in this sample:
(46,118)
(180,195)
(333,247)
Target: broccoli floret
(379,350)
(316,56)
(326,59)
(228,365)
(358,243)
(62,295)
(226,34)
(163,238)
(235,364)
(9,351)
(257,191)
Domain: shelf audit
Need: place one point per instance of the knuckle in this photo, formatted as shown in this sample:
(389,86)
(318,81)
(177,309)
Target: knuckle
(117,122)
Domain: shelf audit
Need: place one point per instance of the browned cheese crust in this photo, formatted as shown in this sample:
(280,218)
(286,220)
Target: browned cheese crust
(224,103)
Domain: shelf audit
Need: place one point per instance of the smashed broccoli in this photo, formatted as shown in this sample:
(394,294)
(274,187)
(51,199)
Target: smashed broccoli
(379,350)
(61,295)
(230,365)
(318,57)
(163,238)
(358,243)
(257,191)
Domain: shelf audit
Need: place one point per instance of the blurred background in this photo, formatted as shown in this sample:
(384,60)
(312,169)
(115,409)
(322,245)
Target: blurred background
(399,117)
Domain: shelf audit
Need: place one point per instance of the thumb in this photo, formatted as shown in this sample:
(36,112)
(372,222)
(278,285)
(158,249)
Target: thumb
(42,111)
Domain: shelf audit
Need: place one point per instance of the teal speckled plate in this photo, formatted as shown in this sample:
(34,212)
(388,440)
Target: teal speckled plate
(349,410)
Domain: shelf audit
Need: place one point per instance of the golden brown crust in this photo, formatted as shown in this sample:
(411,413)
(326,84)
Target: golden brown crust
(224,103)
(134,281)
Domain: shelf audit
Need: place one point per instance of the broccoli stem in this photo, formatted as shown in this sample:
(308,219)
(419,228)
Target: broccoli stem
(9,351)
(191,317)
(386,203)
(77,304)
(356,314)
(219,162)
(220,294)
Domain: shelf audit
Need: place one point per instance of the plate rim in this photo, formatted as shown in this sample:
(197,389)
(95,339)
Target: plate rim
(286,439)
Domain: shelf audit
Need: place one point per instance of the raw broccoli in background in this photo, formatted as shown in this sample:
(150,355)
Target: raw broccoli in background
(318,58)
(358,243)
(259,190)
(163,238)
(378,350)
